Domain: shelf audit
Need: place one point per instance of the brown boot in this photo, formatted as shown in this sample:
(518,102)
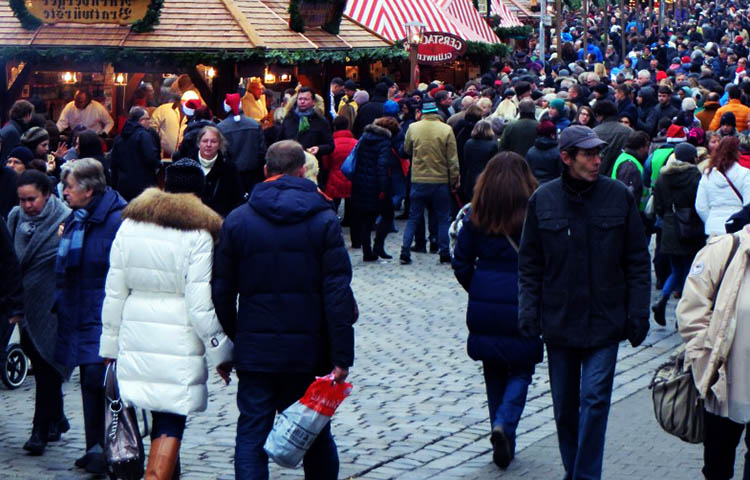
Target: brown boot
(162,458)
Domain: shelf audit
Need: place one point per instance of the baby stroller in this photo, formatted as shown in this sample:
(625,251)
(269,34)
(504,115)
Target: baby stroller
(15,365)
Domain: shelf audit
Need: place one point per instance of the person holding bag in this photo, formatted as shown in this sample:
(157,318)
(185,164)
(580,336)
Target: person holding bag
(158,319)
(724,187)
(674,194)
(715,301)
(485,262)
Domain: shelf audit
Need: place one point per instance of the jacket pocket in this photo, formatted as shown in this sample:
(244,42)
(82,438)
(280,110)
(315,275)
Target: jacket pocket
(554,309)
(555,234)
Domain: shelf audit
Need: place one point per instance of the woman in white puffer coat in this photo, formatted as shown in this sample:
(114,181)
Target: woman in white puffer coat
(724,187)
(158,319)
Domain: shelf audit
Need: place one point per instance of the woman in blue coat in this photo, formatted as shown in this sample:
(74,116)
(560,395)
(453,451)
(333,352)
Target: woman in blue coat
(81,270)
(485,262)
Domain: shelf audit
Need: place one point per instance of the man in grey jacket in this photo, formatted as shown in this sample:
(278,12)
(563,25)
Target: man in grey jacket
(246,144)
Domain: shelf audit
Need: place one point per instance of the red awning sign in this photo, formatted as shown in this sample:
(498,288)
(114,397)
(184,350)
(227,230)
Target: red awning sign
(437,48)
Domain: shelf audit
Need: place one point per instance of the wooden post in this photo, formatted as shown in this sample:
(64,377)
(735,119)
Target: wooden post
(585,30)
(558,27)
(622,30)
(606,25)
(201,85)
(4,104)
(413,67)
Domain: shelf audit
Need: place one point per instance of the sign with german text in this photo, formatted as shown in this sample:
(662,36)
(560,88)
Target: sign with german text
(88,11)
(438,48)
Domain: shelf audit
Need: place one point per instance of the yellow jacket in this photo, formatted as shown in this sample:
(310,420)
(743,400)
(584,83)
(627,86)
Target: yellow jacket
(254,108)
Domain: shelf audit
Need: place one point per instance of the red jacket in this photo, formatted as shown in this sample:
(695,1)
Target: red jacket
(338,186)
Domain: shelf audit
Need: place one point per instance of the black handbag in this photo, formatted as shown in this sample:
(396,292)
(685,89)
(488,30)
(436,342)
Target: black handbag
(123,444)
(689,224)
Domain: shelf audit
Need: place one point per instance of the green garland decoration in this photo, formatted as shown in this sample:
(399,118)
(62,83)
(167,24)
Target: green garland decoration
(146,24)
(482,52)
(54,56)
(520,32)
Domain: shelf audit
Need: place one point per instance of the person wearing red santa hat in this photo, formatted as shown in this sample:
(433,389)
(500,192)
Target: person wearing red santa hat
(246,147)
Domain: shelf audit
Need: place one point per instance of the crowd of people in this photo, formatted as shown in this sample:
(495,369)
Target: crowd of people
(543,182)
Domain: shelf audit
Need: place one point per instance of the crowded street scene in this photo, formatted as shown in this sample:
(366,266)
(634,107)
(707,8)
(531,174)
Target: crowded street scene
(374,239)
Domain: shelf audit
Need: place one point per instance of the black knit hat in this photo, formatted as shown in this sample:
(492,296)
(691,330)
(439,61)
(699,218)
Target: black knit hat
(33,137)
(728,119)
(185,176)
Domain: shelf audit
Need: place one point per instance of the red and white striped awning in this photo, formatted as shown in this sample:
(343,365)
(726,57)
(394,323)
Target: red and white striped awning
(507,18)
(388,17)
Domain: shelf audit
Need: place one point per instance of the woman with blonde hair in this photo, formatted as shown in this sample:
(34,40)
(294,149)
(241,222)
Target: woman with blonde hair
(485,263)
(223,191)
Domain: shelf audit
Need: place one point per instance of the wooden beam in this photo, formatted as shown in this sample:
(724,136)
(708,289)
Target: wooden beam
(22,79)
(4,99)
(201,85)
(243,23)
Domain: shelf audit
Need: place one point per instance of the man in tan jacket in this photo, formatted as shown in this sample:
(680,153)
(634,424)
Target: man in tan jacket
(434,170)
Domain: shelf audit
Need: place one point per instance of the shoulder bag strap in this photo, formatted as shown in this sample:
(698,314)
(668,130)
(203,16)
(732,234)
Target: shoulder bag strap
(737,192)
(512,243)
(735,246)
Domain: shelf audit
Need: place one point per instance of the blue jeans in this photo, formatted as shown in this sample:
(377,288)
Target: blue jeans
(433,195)
(259,396)
(506,396)
(581,383)
(680,269)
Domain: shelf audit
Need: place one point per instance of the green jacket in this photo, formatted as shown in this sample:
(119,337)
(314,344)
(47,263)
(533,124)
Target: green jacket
(432,146)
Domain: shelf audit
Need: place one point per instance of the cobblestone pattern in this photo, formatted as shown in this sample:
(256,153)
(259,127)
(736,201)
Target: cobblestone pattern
(418,409)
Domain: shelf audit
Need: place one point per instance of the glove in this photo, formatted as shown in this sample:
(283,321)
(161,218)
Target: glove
(637,331)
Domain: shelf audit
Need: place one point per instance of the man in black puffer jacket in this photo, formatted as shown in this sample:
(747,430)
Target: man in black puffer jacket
(544,156)
(136,156)
(371,110)
(284,255)
(584,286)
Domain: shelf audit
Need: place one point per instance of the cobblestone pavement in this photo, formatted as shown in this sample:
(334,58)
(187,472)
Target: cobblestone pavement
(418,409)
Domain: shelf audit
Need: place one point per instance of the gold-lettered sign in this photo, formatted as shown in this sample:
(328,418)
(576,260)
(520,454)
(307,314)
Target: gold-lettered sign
(88,11)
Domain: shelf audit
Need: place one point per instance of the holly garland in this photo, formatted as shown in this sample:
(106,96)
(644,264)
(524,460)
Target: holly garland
(480,51)
(146,24)
(189,58)
(521,31)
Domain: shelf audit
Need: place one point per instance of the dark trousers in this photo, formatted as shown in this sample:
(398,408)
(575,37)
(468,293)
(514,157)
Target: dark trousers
(92,394)
(662,268)
(365,221)
(506,395)
(169,424)
(260,396)
(719,447)
(48,401)
(581,384)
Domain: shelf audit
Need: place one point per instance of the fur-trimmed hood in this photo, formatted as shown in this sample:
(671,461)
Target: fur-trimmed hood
(181,211)
(377,130)
(675,166)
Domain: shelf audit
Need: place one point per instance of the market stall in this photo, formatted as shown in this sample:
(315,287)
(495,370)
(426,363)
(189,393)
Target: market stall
(111,47)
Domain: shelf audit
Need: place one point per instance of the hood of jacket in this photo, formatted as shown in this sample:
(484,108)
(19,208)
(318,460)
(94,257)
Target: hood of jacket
(545,143)
(376,130)
(130,127)
(680,174)
(287,199)
(181,211)
(110,201)
(649,97)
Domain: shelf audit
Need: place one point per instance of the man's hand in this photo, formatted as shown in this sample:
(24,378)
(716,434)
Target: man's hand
(313,150)
(340,374)
(15,320)
(224,370)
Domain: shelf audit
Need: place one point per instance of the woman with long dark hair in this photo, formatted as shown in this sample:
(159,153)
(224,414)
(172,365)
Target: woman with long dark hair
(724,187)
(485,262)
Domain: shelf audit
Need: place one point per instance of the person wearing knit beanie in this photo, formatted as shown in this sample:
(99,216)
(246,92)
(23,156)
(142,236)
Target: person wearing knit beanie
(390,109)
(185,176)
(20,158)
(727,125)
(36,139)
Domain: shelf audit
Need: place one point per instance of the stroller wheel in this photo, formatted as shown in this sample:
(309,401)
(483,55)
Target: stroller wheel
(15,366)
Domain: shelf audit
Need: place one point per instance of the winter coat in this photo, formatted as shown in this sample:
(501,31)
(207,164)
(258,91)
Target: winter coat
(36,241)
(544,159)
(707,114)
(136,157)
(223,191)
(371,182)
(677,185)
(8,191)
(432,147)
(716,200)
(487,268)
(246,145)
(462,132)
(648,120)
(189,145)
(10,137)
(626,108)
(584,266)
(80,290)
(667,111)
(284,255)
(615,134)
(368,113)
(158,319)
(477,153)
(519,136)
(734,106)
(11,281)
(319,134)
(709,334)
(338,186)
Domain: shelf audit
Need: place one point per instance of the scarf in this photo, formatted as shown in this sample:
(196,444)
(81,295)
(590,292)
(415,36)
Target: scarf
(304,119)
(71,244)
(29,233)
(207,164)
